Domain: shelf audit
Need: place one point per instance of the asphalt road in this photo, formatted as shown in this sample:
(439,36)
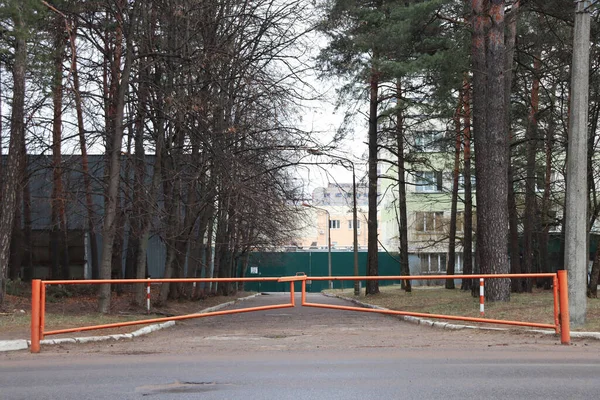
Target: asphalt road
(307,353)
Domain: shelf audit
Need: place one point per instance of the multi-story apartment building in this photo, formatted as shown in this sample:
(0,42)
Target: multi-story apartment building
(428,201)
(331,213)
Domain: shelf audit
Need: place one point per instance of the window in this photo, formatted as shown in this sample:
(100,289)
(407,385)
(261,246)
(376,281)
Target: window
(357,224)
(432,263)
(428,181)
(429,221)
(458,265)
(334,224)
(428,140)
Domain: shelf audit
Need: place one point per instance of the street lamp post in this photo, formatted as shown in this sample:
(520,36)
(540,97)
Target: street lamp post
(355,232)
(328,239)
(354,215)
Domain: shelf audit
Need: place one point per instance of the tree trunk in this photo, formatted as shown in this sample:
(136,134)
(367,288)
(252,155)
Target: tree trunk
(467,284)
(513,218)
(16,242)
(150,200)
(1,151)
(116,267)
(545,207)
(478,61)
(513,221)
(592,291)
(220,243)
(10,180)
(171,193)
(87,181)
(493,182)
(164,287)
(403,223)
(109,228)
(529,220)
(146,218)
(372,286)
(58,233)
(451,266)
(27,223)
(593,203)
(491,149)
(209,250)
(480,22)
(140,201)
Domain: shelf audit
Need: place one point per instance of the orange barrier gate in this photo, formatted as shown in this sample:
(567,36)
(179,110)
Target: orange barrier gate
(38,304)
(560,293)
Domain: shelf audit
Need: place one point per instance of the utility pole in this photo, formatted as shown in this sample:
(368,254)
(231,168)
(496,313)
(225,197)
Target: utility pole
(576,250)
(355,232)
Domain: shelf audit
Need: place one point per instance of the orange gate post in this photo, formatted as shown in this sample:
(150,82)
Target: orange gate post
(303,292)
(292,294)
(42,308)
(563,291)
(36,285)
(555,297)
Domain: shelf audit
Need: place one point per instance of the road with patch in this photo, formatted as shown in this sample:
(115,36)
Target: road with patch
(307,353)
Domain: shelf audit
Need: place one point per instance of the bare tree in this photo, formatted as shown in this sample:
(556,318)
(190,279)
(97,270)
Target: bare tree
(121,80)
(12,172)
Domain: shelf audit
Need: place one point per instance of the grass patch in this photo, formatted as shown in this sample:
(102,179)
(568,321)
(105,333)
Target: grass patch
(527,307)
(76,310)
(60,321)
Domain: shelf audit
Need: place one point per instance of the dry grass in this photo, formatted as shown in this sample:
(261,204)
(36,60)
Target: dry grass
(528,307)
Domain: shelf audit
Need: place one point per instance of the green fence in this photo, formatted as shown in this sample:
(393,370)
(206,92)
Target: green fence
(312,264)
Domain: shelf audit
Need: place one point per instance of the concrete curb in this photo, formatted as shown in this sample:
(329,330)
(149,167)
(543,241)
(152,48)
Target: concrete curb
(11,345)
(444,325)
(22,344)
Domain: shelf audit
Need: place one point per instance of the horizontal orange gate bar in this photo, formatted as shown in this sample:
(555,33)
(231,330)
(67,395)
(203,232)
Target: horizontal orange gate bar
(38,304)
(560,294)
